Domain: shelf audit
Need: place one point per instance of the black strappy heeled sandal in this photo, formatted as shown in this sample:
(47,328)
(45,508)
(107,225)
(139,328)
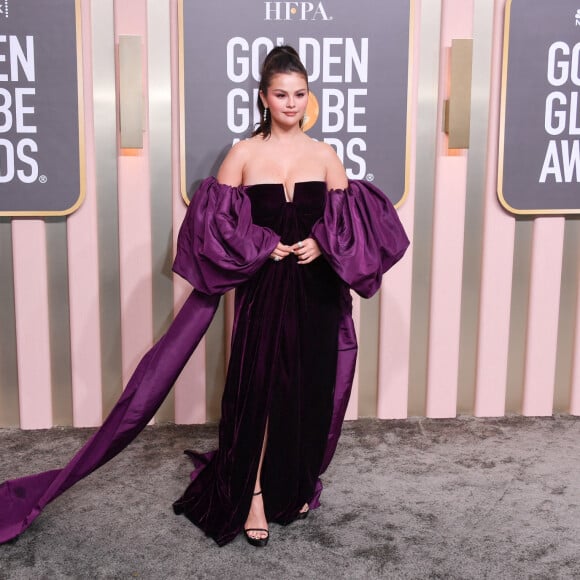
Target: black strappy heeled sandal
(258,542)
(302,515)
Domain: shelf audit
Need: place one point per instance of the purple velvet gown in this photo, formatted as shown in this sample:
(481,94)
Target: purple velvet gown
(293,350)
(282,371)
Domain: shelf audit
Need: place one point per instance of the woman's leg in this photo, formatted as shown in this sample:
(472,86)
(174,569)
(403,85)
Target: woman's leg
(257,516)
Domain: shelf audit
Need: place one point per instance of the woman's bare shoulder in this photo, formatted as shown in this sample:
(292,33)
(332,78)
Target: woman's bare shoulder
(335,172)
(243,148)
(321,149)
(231,170)
(250,144)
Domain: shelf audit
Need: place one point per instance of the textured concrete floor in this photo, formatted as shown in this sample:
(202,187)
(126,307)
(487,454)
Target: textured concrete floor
(464,498)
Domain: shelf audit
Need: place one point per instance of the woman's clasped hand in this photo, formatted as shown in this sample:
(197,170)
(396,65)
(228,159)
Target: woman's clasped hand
(305,250)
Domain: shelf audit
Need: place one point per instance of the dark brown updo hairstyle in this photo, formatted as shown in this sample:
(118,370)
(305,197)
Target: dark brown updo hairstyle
(281,59)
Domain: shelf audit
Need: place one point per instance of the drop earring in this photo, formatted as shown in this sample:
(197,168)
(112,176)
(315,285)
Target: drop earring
(265,115)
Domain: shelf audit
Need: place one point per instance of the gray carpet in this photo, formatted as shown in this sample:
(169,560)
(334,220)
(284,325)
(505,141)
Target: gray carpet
(464,498)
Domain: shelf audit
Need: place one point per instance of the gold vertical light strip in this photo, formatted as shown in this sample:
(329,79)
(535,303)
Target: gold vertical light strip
(428,90)
(519,314)
(568,316)
(160,169)
(59,321)
(458,106)
(131,91)
(105,123)
(9,400)
(368,357)
(483,11)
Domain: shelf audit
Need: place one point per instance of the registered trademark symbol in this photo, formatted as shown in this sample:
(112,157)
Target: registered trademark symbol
(370,177)
(43,179)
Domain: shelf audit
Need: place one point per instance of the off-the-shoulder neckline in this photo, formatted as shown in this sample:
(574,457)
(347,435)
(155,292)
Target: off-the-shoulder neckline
(279,183)
(244,186)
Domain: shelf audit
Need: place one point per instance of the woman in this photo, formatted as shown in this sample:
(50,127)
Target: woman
(287,320)
(283,225)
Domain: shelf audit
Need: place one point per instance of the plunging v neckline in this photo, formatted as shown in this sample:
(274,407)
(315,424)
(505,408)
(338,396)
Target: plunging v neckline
(282,185)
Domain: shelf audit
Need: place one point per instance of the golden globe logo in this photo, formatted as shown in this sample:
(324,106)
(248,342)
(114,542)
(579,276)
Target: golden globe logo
(312,112)
(295,11)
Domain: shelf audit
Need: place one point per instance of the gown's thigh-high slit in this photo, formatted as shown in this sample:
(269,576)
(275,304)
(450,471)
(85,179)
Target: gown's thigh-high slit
(259,532)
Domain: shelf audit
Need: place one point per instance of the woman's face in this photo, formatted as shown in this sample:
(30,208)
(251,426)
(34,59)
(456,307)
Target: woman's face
(287,97)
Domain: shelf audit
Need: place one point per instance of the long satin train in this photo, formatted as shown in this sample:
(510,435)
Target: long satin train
(22,500)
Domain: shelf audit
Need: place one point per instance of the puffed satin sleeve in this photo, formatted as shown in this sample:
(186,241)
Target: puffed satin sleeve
(361,236)
(218,246)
